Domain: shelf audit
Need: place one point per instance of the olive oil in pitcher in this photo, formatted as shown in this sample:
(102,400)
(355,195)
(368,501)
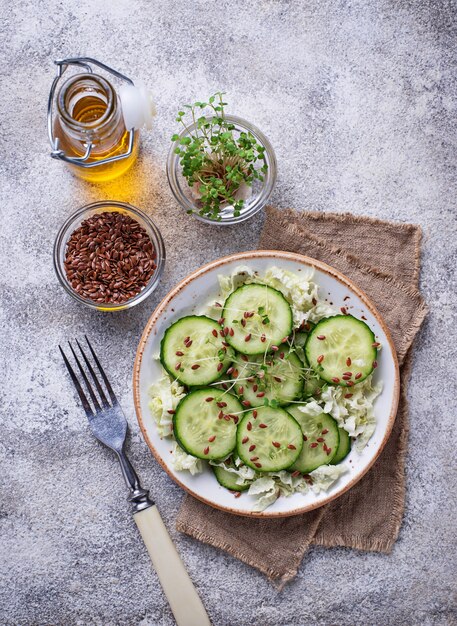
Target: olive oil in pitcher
(96,130)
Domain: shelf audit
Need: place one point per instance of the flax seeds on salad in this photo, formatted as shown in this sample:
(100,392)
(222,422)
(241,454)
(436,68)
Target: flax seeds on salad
(110,258)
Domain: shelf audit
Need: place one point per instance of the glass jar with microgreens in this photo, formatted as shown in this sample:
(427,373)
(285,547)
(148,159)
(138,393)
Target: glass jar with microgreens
(221,168)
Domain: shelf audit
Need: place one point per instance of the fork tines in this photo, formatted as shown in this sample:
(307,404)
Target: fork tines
(90,410)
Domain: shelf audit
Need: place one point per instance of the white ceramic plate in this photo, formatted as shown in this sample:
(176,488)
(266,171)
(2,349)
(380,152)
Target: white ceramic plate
(201,287)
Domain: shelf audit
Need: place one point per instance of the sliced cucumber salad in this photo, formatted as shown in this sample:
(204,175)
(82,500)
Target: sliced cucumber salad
(269,439)
(257,317)
(205,423)
(342,350)
(194,352)
(278,375)
(320,440)
(253,385)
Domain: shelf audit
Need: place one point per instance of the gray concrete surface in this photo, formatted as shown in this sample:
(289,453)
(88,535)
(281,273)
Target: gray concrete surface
(358,99)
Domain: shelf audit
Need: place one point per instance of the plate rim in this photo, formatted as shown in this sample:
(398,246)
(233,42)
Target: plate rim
(248,255)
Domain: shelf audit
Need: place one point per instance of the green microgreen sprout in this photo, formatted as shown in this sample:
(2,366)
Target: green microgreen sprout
(216,159)
(274,404)
(263,315)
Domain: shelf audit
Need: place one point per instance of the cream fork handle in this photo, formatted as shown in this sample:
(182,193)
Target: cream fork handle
(182,596)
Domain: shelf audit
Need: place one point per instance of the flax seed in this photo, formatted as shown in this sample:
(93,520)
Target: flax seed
(103,252)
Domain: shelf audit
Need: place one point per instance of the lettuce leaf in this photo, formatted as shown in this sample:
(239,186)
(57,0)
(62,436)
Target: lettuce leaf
(164,396)
(268,488)
(325,476)
(240,275)
(243,472)
(182,461)
(355,414)
(265,491)
(298,289)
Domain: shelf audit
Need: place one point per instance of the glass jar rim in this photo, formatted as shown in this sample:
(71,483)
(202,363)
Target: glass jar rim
(100,122)
(74,220)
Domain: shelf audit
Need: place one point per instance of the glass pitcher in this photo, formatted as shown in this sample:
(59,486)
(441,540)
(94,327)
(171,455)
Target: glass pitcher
(95,129)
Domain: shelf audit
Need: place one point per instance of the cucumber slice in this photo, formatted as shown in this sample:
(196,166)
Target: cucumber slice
(313,383)
(269,440)
(275,376)
(204,424)
(344,447)
(228,479)
(257,317)
(320,440)
(193,352)
(342,350)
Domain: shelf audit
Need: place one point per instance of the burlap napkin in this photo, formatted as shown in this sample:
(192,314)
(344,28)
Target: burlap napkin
(383,258)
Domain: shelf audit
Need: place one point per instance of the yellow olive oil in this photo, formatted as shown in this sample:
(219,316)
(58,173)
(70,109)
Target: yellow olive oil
(90,112)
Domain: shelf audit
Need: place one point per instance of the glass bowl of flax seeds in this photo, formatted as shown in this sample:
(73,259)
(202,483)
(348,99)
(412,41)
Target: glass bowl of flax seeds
(109,256)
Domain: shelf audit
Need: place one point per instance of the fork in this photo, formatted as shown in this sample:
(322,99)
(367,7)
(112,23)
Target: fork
(108,424)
